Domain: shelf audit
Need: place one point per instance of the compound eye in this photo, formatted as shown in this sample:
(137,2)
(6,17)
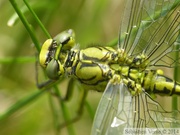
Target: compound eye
(66,38)
(54,69)
(44,53)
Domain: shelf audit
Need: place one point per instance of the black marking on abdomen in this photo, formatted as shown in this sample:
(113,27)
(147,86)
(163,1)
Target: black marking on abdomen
(164,91)
(173,90)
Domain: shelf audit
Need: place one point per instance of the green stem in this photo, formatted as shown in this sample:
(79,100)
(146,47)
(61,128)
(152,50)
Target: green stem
(21,103)
(176,73)
(17,60)
(37,19)
(65,112)
(26,25)
(54,113)
(90,110)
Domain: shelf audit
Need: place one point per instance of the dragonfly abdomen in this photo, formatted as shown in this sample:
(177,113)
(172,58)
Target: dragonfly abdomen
(156,83)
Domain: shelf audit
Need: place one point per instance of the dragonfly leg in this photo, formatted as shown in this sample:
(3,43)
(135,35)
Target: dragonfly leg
(81,104)
(70,88)
(116,79)
(134,87)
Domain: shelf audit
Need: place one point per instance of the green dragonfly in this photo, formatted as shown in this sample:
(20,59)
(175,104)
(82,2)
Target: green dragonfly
(130,75)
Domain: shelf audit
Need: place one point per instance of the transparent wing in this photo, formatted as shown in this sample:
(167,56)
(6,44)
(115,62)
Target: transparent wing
(166,50)
(162,44)
(118,112)
(152,27)
(106,111)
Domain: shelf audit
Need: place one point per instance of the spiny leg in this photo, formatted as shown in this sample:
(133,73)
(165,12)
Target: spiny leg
(81,104)
(69,92)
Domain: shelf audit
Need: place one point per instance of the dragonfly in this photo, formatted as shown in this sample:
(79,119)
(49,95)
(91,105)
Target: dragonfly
(129,75)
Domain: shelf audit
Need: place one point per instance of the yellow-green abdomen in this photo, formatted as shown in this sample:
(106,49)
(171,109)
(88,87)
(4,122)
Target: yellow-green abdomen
(155,83)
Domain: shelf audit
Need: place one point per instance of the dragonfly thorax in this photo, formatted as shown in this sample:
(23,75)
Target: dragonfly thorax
(91,66)
(95,66)
(54,52)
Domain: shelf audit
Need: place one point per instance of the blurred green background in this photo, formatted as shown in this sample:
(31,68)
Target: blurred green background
(94,21)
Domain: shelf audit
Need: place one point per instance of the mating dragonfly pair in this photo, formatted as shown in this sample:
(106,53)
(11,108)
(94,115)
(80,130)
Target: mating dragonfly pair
(149,38)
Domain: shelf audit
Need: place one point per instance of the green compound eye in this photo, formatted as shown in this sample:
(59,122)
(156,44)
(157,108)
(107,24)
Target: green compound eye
(54,69)
(66,38)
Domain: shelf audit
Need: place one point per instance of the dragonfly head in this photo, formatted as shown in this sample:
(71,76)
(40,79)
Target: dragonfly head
(49,58)
(53,52)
